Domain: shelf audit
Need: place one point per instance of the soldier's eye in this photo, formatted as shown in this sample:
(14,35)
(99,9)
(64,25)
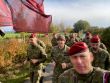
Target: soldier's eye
(82,56)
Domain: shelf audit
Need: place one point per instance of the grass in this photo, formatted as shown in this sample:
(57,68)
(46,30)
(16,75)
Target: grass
(18,77)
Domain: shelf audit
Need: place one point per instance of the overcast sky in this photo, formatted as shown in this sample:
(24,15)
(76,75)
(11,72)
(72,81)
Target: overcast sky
(96,12)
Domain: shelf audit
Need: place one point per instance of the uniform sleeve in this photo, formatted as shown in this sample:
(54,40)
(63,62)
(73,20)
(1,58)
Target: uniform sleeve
(67,77)
(28,54)
(42,44)
(107,62)
(43,56)
(63,78)
(103,46)
(52,54)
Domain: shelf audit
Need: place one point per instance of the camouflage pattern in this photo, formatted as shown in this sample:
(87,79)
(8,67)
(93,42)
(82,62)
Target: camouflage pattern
(101,58)
(71,41)
(59,56)
(54,41)
(36,52)
(95,76)
(66,37)
(103,46)
(87,41)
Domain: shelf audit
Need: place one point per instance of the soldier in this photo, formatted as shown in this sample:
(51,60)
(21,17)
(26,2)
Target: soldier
(59,56)
(72,39)
(36,55)
(100,43)
(83,71)
(54,39)
(87,38)
(101,56)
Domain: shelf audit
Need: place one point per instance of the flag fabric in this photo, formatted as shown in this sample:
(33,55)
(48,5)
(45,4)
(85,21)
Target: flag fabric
(106,77)
(5,14)
(29,16)
(36,5)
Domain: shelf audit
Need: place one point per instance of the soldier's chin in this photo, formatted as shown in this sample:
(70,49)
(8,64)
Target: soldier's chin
(94,48)
(81,71)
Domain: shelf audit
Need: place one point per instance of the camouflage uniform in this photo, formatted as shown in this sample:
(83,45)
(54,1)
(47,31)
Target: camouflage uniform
(96,76)
(101,58)
(73,39)
(87,41)
(36,52)
(71,42)
(103,46)
(59,56)
(54,39)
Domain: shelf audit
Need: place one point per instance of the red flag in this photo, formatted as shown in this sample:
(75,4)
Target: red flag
(5,14)
(29,16)
(37,5)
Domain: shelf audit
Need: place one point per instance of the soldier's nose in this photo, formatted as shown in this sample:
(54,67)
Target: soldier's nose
(79,60)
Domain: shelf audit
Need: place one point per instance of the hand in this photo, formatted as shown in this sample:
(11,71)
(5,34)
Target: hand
(64,65)
(53,64)
(33,41)
(34,61)
(25,62)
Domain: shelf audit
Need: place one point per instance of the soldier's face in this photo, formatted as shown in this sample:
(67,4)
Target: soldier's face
(31,40)
(61,42)
(95,45)
(82,62)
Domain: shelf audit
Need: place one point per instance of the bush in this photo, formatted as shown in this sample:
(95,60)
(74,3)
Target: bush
(10,50)
(106,38)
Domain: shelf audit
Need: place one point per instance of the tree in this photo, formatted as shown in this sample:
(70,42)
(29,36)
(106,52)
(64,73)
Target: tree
(96,30)
(81,25)
(68,29)
(106,37)
(54,28)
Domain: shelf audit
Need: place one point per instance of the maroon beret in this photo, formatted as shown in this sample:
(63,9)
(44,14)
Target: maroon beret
(95,39)
(32,35)
(78,47)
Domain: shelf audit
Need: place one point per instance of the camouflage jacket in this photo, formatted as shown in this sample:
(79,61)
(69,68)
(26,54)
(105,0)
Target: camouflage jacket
(101,59)
(71,42)
(60,56)
(36,52)
(54,41)
(103,46)
(96,76)
(87,41)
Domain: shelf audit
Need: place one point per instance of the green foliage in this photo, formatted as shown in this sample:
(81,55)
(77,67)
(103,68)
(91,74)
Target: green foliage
(54,28)
(81,25)
(68,29)
(96,30)
(106,37)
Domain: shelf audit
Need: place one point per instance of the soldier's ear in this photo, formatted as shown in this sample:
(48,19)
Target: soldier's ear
(91,56)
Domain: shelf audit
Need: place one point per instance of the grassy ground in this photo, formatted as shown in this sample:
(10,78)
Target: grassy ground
(15,75)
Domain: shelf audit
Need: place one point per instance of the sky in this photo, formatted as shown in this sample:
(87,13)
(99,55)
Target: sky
(96,12)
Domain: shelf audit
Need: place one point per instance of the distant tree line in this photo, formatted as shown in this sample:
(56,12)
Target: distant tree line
(84,26)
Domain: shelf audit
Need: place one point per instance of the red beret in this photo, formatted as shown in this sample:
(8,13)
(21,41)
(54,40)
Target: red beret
(77,48)
(95,39)
(32,35)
